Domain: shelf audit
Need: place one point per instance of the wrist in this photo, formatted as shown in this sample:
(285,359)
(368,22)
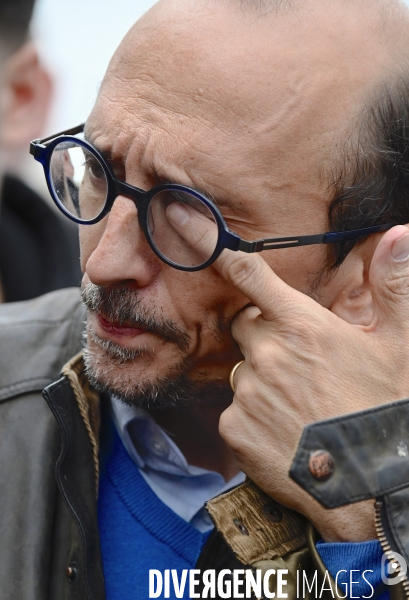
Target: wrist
(352,523)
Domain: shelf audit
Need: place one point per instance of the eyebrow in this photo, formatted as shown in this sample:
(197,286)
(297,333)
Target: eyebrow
(164,180)
(107,154)
(219,202)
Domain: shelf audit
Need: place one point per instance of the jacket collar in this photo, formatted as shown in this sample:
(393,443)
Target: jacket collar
(254,526)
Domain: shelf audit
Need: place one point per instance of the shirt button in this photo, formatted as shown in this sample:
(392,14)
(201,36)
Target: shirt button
(159,449)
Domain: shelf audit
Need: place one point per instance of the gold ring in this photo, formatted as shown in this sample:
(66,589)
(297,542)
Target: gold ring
(232,374)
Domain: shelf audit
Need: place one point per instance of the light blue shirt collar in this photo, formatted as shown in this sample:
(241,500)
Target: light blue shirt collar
(182,487)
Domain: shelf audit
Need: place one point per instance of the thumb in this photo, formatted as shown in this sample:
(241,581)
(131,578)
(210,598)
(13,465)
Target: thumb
(389,277)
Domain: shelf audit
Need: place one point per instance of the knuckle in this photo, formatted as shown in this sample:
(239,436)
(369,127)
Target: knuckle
(262,359)
(248,313)
(231,429)
(243,270)
(242,323)
(244,390)
(226,425)
(397,285)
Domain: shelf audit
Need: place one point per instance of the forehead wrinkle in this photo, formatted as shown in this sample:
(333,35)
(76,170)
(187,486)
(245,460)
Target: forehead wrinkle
(217,194)
(185,95)
(175,102)
(146,165)
(170,175)
(162,111)
(161,134)
(123,143)
(174,122)
(177,165)
(107,154)
(159,105)
(165,171)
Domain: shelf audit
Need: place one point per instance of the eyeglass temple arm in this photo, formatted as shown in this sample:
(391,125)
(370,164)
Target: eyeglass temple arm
(309,240)
(36,145)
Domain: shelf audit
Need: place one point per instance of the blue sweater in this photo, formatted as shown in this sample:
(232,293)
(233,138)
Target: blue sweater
(350,560)
(139,532)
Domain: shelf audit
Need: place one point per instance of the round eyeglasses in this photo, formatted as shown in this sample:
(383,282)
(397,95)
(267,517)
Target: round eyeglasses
(84,187)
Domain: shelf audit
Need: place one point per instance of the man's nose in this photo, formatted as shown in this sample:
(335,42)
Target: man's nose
(120,252)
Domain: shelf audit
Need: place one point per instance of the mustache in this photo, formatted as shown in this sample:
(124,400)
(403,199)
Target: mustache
(121,305)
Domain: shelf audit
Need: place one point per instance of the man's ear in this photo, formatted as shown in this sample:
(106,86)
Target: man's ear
(351,292)
(26,95)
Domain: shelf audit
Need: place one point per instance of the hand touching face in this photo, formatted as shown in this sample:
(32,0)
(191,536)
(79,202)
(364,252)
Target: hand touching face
(304,364)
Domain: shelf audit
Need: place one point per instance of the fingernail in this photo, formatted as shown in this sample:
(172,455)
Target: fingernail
(400,248)
(178,213)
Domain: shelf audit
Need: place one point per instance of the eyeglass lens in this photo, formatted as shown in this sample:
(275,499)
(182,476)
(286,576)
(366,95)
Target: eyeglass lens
(78,180)
(80,186)
(173,242)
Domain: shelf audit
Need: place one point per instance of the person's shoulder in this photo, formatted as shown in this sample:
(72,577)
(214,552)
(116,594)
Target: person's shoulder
(37,338)
(49,308)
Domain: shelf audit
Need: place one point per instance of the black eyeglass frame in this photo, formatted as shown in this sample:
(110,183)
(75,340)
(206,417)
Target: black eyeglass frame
(42,150)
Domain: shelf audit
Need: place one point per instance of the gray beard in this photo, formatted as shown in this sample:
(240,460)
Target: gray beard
(108,365)
(103,370)
(103,373)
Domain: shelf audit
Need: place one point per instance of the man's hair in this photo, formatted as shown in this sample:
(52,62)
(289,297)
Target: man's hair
(15,16)
(372,183)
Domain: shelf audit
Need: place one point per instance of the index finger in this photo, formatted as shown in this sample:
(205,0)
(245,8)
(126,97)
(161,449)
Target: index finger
(248,273)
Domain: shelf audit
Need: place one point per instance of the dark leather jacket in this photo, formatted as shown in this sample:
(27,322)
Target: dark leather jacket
(49,547)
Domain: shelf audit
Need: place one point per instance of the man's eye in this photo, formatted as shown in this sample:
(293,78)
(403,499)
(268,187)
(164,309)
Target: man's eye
(94,168)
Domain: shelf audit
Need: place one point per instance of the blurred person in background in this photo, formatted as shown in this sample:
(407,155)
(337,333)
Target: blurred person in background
(38,251)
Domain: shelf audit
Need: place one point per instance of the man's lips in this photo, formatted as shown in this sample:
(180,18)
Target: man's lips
(118,330)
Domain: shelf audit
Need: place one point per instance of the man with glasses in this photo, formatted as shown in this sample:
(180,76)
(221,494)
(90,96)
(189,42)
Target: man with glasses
(197,156)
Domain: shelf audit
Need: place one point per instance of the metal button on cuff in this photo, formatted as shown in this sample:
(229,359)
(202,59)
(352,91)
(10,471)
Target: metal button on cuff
(321,464)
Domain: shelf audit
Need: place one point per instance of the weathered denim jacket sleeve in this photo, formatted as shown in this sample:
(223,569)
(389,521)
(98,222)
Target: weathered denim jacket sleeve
(357,457)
